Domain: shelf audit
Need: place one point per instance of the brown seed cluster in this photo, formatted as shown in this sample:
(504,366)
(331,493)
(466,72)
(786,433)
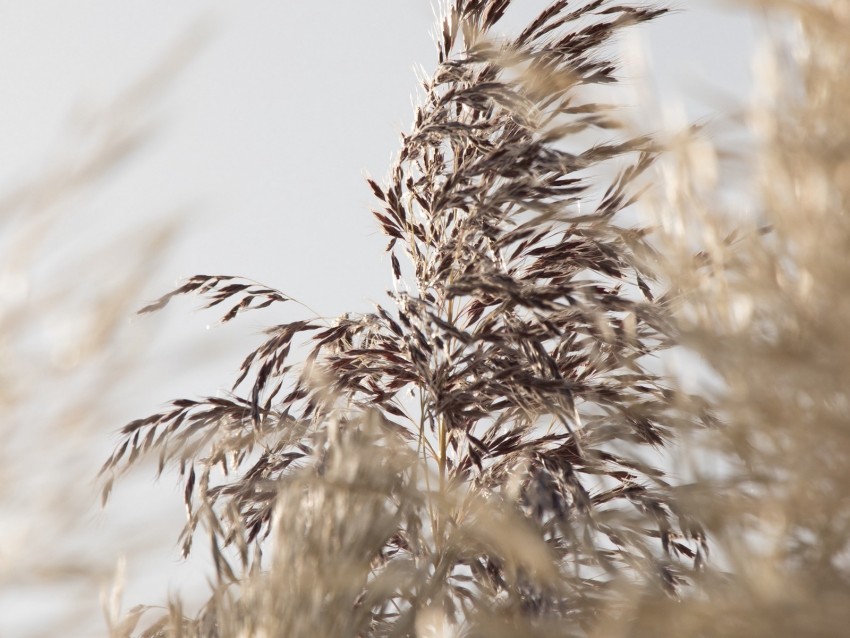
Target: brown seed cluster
(510,373)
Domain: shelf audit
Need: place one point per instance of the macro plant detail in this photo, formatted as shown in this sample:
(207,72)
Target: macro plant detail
(483,451)
(539,431)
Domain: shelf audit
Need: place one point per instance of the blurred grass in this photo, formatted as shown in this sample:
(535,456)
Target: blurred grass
(69,282)
(764,308)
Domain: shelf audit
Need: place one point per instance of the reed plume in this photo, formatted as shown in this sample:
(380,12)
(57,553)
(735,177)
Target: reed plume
(482,453)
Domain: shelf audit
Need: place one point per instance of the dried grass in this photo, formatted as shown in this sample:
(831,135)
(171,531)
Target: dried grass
(66,357)
(765,309)
(61,323)
(512,369)
(490,454)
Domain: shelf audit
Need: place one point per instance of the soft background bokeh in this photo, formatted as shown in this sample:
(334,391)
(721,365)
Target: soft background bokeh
(254,139)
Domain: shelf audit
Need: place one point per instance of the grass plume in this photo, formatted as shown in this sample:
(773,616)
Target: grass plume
(512,364)
(489,451)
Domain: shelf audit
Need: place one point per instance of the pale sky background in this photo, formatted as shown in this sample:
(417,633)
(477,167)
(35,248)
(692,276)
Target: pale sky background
(264,138)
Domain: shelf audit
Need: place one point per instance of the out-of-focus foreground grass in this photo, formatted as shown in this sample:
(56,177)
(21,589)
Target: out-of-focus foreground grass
(766,309)
(69,283)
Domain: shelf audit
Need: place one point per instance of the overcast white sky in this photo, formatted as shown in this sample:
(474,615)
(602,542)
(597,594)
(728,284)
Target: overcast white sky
(268,132)
(265,137)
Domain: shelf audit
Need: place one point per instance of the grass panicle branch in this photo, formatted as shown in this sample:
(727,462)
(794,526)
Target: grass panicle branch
(483,453)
